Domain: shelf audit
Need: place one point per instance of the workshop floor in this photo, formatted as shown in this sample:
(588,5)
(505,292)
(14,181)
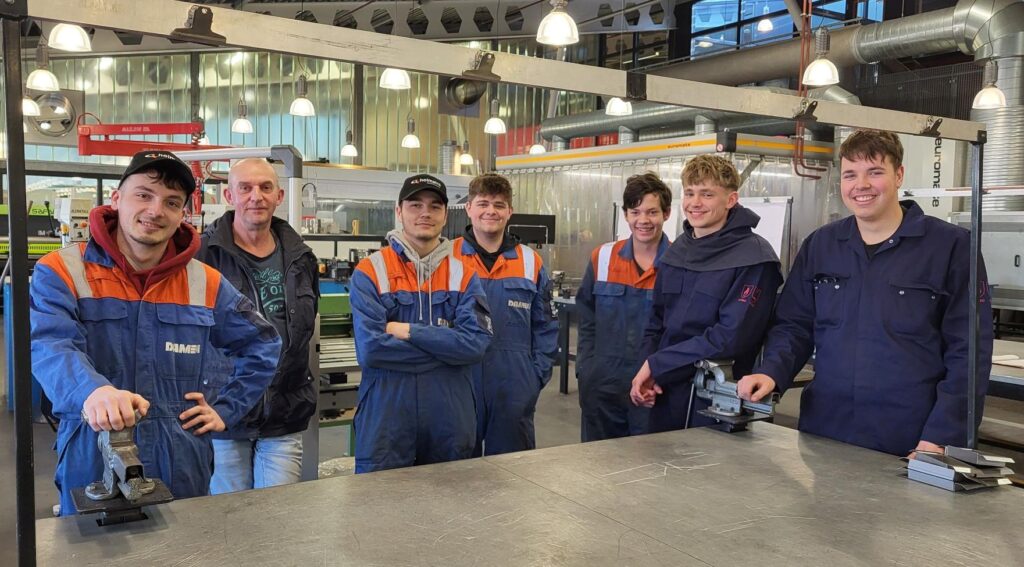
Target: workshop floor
(557,422)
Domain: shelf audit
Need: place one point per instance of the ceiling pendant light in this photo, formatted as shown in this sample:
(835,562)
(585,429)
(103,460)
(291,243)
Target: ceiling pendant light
(349,150)
(301,106)
(466,158)
(41,79)
(558,28)
(495,125)
(537,149)
(29,107)
(618,107)
(765,25)
(242,125)
(411,140)
(821,72)
(69,37)
(395,79)
(990,96)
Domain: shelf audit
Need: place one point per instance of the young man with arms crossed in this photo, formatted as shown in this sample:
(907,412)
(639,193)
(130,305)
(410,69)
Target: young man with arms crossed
(421,322)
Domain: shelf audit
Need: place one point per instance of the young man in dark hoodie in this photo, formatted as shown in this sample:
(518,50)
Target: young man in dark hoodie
(124,323)
(518,362)
(268,262)
(713,297)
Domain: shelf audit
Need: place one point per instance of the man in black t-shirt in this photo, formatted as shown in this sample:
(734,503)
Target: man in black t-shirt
(268,262)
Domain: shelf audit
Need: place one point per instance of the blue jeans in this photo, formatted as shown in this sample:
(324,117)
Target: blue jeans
(244,464)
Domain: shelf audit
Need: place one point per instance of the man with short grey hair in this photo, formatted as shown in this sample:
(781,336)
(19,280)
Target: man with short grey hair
(267,260)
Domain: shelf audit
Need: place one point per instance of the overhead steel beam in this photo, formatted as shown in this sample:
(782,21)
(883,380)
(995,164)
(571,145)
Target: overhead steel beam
(160,17)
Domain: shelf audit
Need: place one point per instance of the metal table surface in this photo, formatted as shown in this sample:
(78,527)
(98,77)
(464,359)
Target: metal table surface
(1006,381)
(769,496)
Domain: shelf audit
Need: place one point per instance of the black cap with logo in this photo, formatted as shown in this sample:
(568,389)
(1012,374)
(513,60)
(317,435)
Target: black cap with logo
(423,182)
(166,163)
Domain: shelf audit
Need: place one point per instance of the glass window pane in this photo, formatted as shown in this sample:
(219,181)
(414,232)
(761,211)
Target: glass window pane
(870,10)
(723,40)
(708,14)
(767,30)
(839,6)
(757,8)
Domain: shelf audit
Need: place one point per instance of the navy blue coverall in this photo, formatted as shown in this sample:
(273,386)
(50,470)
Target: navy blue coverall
(614,301)
(517,365)
(713,300)
(890,334)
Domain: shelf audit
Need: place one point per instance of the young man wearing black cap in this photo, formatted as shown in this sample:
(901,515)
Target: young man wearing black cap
(123,323)
(421,322)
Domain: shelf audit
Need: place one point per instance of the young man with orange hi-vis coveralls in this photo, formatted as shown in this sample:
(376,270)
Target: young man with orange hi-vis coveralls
(421,321)
(517,365)
(123,323)
(614,302)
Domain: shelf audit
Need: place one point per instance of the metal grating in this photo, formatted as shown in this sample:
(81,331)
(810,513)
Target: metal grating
(938,91)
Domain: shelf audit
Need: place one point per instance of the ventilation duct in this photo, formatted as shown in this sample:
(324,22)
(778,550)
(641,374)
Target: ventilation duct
(648,115)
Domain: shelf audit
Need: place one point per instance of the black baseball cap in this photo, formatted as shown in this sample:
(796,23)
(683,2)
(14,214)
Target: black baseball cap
(166,163)
(423,182)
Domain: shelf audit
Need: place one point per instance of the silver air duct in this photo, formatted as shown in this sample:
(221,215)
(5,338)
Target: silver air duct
(648,115)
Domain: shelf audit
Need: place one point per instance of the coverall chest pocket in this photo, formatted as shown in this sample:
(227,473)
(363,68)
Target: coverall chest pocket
(913,307)
(518,301)
(706,300)
(829,295)
(610,312)
(105,324)
(182,334)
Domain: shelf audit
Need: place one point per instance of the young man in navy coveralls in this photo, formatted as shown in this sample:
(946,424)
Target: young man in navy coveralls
(713,298)
(614,303)
(881,297)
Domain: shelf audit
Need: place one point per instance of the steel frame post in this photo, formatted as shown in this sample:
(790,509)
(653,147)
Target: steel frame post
(22,363)
(976,289)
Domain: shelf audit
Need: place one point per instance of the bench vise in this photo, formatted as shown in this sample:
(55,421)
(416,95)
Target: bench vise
(124,489)
(714,382)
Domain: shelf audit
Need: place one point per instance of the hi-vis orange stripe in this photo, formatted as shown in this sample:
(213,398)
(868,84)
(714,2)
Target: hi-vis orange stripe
(504,268)
(113,284)
(402,274)
(622,270)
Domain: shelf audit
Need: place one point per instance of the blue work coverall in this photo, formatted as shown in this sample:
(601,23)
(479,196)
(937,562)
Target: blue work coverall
(517,365)
(713,300)
(91,328)
(890,334)
(416,401)
(614,303)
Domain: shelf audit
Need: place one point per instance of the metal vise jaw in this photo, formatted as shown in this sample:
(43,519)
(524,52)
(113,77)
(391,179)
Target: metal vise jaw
(714,383)
(122,470)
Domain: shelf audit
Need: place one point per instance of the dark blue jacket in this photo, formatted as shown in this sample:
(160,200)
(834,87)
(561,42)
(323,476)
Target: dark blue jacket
(290,401)
(713,299)
(890,334)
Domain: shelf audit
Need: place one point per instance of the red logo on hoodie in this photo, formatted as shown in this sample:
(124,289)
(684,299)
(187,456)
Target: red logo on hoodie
(750,294)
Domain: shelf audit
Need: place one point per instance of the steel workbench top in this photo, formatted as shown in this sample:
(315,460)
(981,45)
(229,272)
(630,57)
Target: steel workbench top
(769,496)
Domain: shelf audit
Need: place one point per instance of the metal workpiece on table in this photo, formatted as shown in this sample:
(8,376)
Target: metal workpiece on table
(696,497)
